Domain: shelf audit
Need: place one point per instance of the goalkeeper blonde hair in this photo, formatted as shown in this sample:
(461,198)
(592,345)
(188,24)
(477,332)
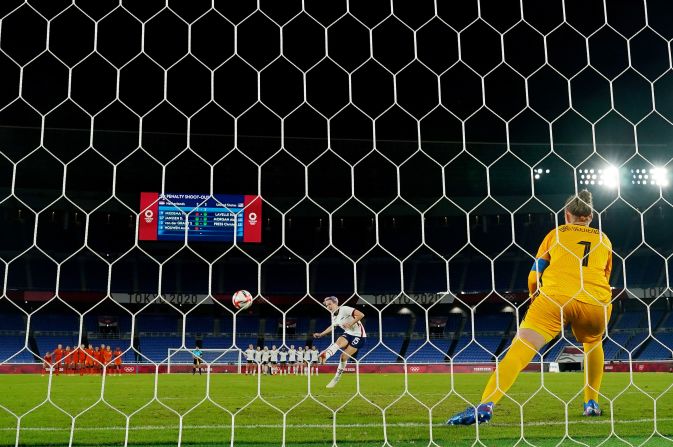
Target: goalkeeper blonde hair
(580,206)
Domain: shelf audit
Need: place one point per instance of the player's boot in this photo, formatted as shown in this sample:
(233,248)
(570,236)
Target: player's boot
(484,413)
(592,408)
(322,358)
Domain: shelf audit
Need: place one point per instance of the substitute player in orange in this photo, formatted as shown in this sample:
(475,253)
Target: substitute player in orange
(569,283)
(89,360)
(46,362)
(98,361)
(58,357)
(71,359)
(117,354)
(81,359)
(107,358)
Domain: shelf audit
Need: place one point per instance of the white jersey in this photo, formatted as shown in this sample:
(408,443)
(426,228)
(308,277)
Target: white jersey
(300,356)
(250,354)
(292,355)
(274,355)
(283,356)
(258,356)
(345,315)
(265,356)
(314,355)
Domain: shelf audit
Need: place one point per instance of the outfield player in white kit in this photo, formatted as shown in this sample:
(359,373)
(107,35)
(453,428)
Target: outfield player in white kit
(274,360)
(282,369)
(258,359)
(250,360)
(300,361)
(314,359)
(292,360)
(353,338)
(266,356)
(307,360)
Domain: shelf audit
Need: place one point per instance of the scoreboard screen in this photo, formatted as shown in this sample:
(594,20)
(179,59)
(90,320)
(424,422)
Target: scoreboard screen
(220,217)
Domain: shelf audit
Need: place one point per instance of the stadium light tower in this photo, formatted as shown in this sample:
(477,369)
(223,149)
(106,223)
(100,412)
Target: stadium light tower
(659,176)
(609,177)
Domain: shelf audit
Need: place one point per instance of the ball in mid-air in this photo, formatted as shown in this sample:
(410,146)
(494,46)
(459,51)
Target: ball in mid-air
(242,299)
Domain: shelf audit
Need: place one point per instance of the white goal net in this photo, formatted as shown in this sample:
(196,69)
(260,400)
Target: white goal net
(407,157)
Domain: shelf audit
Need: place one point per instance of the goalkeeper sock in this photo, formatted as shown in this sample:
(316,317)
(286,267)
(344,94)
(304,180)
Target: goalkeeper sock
(593,369)
(519,355)
(331,350)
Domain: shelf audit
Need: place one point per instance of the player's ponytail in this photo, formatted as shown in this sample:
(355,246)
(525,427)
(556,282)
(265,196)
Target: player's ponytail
(580,205)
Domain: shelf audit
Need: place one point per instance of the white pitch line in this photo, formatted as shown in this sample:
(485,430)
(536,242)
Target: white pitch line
(595,421)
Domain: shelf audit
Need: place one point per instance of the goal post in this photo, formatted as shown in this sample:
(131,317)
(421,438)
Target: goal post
(212,358)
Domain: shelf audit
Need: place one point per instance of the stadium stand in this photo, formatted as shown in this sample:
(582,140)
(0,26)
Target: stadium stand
(10,345)
(403,334)
(422,351)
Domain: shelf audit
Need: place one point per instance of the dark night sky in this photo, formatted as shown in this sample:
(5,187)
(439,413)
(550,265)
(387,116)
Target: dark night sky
(442,103)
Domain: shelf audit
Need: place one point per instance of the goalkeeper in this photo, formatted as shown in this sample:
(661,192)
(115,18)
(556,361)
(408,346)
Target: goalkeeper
(569,283)
(197,354)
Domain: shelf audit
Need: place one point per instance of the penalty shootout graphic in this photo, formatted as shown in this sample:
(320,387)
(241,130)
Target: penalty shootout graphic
(220,217)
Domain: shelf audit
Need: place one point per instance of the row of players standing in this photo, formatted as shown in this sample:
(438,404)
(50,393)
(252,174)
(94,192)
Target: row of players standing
(82,359)
(281,361)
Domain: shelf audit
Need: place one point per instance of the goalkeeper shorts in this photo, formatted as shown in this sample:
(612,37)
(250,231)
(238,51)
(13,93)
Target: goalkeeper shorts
(588,321)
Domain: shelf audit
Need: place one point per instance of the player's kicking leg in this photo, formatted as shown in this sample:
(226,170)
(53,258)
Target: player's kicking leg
(349,352)
(339,345)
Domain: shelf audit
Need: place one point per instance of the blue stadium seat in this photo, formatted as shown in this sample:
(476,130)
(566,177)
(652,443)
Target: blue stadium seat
(667,323)
(659,349)
(498,322)
(418,351)
(199,324)
(633,344)
(373,353)
(12,322)
(156,348)
(391,324)
(271,325)
(246,324)
(157,323)
(224,342)
(630,320)
(468,351)
(12,349)
(43,321)
(615,344)
(49,342)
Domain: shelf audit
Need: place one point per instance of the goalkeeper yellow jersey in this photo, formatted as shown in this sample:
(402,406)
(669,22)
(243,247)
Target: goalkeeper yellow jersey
(573,262)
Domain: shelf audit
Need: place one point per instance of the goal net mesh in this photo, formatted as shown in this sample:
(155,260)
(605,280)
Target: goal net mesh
(409,157)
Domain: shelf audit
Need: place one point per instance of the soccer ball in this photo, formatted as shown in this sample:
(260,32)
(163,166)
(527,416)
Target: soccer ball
(241,299)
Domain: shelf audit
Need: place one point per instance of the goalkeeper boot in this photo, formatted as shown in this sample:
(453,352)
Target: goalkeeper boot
(592,408)
(483,413)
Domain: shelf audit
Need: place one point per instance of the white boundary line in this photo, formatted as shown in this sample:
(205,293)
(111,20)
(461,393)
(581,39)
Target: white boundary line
(594,421)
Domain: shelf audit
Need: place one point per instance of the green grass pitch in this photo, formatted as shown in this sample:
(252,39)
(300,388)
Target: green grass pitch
(388,407)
